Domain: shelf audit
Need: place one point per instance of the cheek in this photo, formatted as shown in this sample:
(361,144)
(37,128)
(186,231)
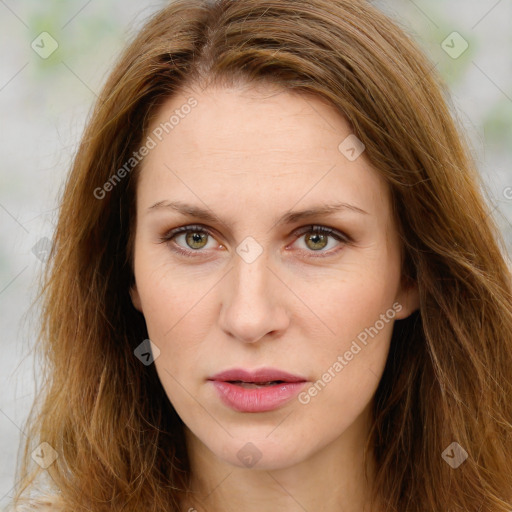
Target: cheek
(350,300)
(357,317)
(166,291)
(178,312)
(348,365)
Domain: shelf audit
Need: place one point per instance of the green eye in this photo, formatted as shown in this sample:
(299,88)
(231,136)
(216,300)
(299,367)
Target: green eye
(196,239)
(317,238)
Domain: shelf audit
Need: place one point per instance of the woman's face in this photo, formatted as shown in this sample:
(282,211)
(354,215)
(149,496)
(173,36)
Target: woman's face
(255,286)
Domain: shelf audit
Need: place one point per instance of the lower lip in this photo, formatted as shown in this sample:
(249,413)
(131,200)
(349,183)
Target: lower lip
(261,399)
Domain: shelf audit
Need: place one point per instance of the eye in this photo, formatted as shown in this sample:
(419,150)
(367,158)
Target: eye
(194,238)
(317,238)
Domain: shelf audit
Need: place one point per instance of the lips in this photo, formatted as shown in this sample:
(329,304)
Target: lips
(263,376)
(261,390)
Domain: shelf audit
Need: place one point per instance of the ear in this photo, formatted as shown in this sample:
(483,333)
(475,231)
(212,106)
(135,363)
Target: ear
(134,294)
(409,300)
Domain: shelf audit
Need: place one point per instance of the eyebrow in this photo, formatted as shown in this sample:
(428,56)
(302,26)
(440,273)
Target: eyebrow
(288,218)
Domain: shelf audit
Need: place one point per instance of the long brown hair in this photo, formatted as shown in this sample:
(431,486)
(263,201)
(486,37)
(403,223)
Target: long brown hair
(119,442)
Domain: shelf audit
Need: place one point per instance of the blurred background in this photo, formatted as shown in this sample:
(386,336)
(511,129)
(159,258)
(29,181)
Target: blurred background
(54,58)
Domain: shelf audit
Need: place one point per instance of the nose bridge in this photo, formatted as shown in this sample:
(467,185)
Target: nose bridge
(251,278)
(251,273)
(250,305)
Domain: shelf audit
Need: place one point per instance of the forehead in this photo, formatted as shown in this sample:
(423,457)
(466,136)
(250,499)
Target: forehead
(257,120)
(251,144)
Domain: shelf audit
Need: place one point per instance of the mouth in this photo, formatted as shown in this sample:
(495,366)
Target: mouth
(256,391)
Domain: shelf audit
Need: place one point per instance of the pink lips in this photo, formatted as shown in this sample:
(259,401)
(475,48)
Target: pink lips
(238,388)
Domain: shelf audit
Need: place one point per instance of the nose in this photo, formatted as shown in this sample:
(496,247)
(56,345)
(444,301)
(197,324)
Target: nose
(253,304)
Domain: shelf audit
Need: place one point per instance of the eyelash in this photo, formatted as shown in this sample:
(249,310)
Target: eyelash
(316,229)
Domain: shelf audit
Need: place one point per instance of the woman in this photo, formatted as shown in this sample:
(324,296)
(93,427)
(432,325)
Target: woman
(275,284)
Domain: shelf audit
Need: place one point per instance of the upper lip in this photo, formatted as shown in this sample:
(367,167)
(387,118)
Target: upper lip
(256,376)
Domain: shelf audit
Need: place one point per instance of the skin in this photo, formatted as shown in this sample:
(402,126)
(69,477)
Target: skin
(250,155)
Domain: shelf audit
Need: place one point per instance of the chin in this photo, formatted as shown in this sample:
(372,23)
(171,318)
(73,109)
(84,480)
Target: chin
(260,452)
